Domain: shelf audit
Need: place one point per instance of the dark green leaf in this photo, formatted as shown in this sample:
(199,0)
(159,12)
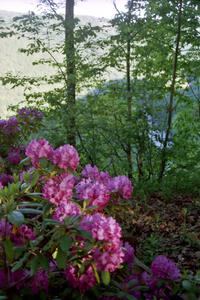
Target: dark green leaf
(65,243)
(9,250)
(61,259)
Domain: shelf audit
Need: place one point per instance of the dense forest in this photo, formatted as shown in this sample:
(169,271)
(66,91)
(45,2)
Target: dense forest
(124,93)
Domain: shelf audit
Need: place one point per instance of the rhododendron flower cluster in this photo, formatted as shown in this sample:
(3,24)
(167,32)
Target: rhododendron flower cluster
(66,157)
(38,149)
(97,193)
(64,210)
(18,235)
(108,231)
(84,282)
(10,126)
(164,272)
(22,234)
(59,189)
(93,173)
(164,268)
(69,237)
(121,185)
(29,115)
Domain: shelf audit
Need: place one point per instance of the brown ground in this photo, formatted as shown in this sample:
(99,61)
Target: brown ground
(170,227)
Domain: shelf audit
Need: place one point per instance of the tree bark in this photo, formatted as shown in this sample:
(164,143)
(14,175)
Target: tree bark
(172,93)
(71,72)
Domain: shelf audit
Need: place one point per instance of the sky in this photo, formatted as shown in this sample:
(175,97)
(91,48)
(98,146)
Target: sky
(96,8)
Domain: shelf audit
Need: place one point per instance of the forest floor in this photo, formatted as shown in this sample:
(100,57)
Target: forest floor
(160,226)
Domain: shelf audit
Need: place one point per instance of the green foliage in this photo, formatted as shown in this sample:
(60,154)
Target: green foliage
(150,248)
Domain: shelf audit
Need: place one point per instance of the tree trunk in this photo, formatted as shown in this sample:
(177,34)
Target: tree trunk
(129,99)
(172,93)
(71,72)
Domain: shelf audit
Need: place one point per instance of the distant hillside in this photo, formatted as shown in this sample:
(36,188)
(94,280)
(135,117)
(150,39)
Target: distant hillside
(18,63)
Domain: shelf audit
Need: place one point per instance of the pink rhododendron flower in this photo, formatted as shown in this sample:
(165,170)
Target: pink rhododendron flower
(39,282)
(59,188)
(83,281)
(66,209)
(121,185)
(97,193)
(93,173)
(90,172)
(66,157)
(38,149)
(164,268)
(108,260)
(108,231)
(102,228)
(22,235)
(105,178)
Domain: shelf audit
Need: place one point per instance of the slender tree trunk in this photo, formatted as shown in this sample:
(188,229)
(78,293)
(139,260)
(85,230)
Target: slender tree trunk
(172,93)
(129,100)
(71,72)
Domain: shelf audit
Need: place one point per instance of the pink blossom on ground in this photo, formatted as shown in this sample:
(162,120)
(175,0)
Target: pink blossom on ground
(66,157)
(38,149)
(164,268)
(66,209)
(39,282)
(22,235)
(122,186)
(1,186)
(59,188)
(97,193)
(83,281)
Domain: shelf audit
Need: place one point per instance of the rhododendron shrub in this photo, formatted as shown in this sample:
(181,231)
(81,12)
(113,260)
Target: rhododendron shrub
(57,238)
(13,133)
